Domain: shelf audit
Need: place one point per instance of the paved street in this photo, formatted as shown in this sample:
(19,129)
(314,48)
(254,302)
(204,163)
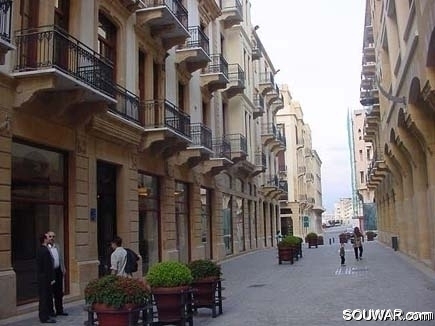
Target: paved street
(313,291)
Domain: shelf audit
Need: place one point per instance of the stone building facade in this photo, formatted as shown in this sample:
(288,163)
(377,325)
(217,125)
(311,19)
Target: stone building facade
(397,92)
(151,120)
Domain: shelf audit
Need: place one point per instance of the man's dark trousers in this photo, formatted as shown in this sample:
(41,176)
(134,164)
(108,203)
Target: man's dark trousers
(58,290)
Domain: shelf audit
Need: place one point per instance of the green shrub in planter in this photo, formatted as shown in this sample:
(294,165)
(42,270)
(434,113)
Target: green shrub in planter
(203,268)
(288,241)
(116,291)
(169,274)
(311,236)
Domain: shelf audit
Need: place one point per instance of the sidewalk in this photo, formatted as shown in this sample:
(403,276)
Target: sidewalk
(313,291)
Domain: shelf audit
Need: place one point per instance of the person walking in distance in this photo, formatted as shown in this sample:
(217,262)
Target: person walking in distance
(59,272)
(357,243)
(342,255)
(46,278)
(118,258)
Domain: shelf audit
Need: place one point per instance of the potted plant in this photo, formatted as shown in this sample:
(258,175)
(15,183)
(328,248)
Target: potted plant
(371,235)
(299,247)
(287,249)
(114,297)
(343,238)
(206,284)
(311,239)
(170,283)
(320,240)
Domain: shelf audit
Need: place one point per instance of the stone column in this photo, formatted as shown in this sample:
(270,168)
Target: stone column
(7,274)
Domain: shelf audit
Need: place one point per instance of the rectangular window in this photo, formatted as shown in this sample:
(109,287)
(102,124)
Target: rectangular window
(38,205)
(149,217)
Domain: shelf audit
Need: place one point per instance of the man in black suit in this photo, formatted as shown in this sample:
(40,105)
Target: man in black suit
(45,275)
(59,272)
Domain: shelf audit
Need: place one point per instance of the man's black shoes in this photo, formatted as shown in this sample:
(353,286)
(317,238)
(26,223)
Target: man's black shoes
(63,313)
(49,321)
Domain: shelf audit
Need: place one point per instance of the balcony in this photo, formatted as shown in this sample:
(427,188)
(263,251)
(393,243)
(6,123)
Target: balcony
(266,82)
(215,75)
(256,53)
(122,125)
(272,95)
(166,19)
(220,158)
(236,78)
(271,188)
(126,106)
(5,29)
(376,171)
(369,97)
(258,106)
(369,49)
(278,104)
(369,68)
(309,177)
(301,170)
(260,163)
(268,132)
(167,129)
(199,150)
(68,73)
(232,12)
(239,147)
(194,53)
(371,123)
(279,143)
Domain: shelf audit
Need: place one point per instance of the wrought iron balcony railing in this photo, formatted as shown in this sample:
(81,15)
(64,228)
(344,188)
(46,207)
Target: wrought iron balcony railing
(221,148)
(5,19)
(236,74)
(127,105)
(164,114)
(238,143)
(272,181)
(51,47)
(232,4)
(259,101)
(260,159)
(217,65)
(267,78)
(197,39)
(283,185)
(201,135)
(175,6)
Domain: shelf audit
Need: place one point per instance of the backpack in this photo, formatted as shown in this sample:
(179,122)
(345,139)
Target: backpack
(132,259)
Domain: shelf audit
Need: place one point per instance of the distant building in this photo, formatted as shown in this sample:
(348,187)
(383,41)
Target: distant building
(300,169)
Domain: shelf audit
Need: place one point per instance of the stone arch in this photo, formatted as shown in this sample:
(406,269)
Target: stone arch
(430,59)
(414,95)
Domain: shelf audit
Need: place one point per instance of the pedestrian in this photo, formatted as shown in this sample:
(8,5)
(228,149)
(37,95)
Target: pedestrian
(278,236)
(342,255)
(45,279)
(118,258)
(357,243)
(59,272)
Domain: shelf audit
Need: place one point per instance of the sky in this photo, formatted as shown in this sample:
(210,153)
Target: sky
(317,45)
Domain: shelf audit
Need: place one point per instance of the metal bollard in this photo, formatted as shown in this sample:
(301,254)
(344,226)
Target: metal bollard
(333,240)
(330,241)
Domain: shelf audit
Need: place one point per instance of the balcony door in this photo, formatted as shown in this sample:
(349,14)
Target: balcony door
(29,11)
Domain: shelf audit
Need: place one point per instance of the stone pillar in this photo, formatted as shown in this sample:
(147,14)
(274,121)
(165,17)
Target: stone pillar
(197,247)
(168,223)
(7,274)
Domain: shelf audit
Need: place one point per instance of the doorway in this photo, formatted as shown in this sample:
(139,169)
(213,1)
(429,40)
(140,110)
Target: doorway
(106,213)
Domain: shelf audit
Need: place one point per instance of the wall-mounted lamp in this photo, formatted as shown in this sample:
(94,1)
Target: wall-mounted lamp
(256,27)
